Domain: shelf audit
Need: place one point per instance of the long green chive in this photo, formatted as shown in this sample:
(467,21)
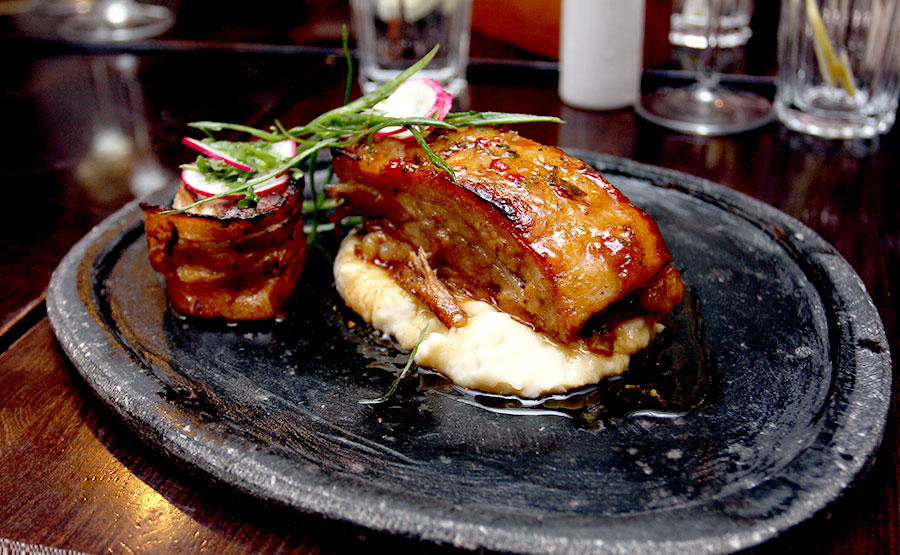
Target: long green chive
(432,156)
(337,128)
(345,39)
(403,373)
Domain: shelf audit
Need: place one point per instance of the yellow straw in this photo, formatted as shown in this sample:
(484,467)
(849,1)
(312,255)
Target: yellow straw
(833,69)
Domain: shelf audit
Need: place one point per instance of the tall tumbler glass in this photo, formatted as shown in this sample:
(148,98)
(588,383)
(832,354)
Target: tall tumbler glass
(393,34)
(838,67)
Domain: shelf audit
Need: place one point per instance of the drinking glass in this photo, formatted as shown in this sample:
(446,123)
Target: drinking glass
(118,20)
(690,19)
(706,108)
(838,67)
(120,156)
(393,34)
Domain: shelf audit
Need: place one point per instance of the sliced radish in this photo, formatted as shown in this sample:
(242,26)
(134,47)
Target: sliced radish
(414,98)
(444,107)
(197,182)
(211,152)
(286,148)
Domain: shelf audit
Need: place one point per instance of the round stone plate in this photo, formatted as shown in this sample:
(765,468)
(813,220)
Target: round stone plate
(273,409)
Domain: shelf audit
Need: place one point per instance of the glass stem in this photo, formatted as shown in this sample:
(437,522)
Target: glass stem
(126,68)
(708,75)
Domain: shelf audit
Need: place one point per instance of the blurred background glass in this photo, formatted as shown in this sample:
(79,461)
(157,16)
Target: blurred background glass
(707,107)
(523,30)
(839,67)
(391,35)
(119,160)
(116,20)
(690,19)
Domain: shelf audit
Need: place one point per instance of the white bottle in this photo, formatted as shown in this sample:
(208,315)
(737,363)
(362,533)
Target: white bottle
(600,53)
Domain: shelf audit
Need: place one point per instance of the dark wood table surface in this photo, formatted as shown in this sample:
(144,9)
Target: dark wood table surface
(73,476)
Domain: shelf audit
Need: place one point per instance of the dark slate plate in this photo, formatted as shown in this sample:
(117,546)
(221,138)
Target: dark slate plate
(272,409)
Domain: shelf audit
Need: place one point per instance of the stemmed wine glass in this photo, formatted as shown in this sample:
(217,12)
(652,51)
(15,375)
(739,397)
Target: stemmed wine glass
(118,20)
(120,151)
(706,108)
(120,155)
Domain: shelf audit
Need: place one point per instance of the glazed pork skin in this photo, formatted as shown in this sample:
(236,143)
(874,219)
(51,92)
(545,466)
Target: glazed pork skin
(230,262)
(533,230)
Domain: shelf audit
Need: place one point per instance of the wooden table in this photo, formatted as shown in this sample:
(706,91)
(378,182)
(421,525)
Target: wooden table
(72,476)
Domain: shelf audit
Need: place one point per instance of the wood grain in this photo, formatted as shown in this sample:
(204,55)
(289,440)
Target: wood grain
(75,478)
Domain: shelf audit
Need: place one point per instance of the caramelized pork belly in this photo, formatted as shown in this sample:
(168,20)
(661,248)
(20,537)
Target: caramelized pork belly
(527,227)
(222,260)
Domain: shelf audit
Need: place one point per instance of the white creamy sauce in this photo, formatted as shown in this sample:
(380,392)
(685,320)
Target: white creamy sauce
(493,352)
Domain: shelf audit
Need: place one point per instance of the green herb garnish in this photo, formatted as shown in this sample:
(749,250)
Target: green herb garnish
(343,126)
(403,373)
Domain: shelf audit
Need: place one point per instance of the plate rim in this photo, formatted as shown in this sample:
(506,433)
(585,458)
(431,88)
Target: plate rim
(233,470)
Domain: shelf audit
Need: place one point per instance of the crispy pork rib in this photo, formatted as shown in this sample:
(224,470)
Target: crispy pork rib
(533,230)
(237,263)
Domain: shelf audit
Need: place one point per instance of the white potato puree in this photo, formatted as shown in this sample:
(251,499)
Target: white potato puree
(493,352)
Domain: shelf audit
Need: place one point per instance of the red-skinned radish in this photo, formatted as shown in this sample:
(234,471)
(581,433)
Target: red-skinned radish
(414,98)
(210,152)
(445,103)
(286,148)
(195,181)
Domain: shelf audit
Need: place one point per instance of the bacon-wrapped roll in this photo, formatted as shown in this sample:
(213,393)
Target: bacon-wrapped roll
(220,260)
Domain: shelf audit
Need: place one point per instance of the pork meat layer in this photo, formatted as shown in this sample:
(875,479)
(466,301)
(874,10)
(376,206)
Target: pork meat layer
(526,226)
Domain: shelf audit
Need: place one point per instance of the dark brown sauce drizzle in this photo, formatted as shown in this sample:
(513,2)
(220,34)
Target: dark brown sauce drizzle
(674,376)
